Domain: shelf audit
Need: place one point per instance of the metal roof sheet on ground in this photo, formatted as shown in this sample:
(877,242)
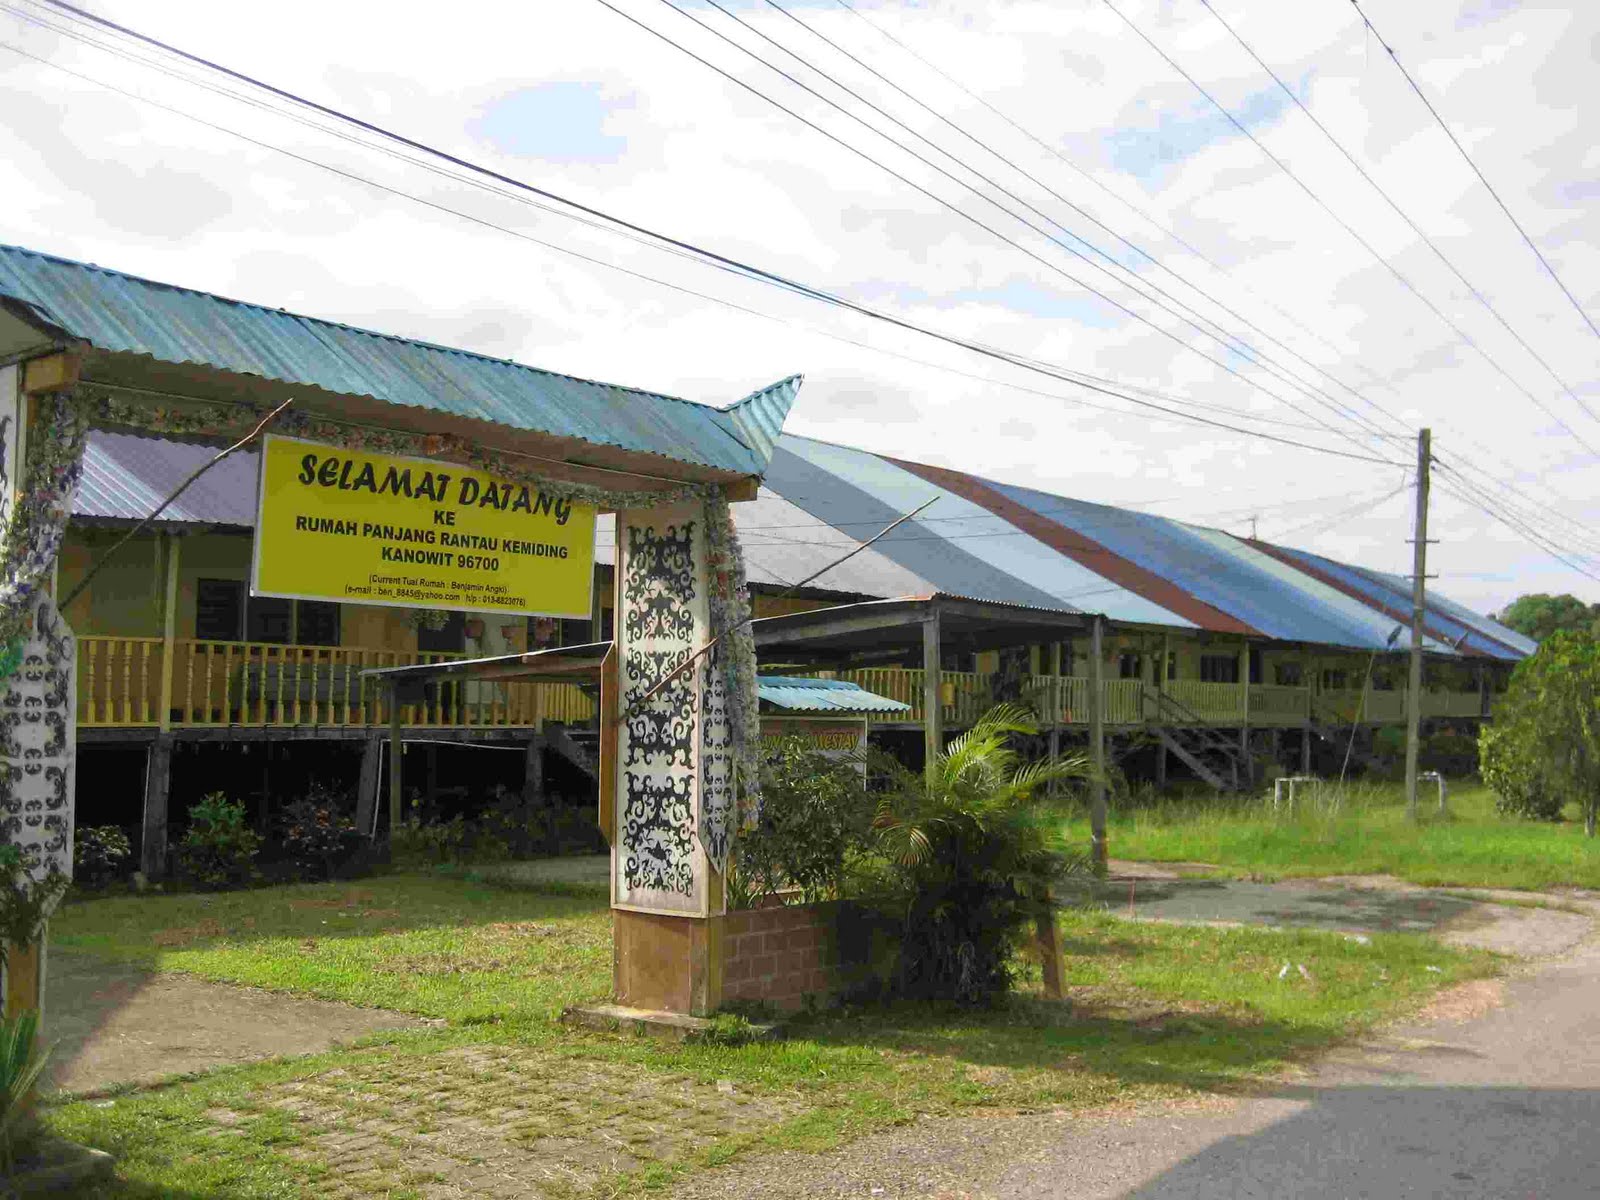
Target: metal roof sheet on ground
(125,314)
(125,478)
(804,694)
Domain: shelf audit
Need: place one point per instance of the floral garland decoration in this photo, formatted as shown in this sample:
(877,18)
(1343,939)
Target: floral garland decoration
(39,518)
(730,615)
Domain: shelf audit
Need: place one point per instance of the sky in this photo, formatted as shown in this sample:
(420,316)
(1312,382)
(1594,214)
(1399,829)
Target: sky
(1265,283)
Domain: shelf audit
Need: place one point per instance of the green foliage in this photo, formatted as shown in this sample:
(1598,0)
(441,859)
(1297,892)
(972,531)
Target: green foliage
(25,900)
(219,848)
(1507,764)
(973,848)
(816,818)
(1454,755)
(98,852)
(1551,720)
(317,833)
(21,1064)
(1540,615)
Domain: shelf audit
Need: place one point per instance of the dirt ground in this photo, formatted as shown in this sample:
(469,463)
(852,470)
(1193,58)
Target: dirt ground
(113,1024)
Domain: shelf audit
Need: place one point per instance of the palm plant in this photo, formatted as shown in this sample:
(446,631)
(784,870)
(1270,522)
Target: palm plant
(974,846)
(21,1064)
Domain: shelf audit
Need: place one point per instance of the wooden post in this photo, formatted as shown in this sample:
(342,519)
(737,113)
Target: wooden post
(1483,692)
(169,631)
(1097,746)
(1244,713)
(157,783)
(1051,962)
(533,773)
(25,977)
(932,716)
(607,816)
(396,753)
(367,788)
(1305,749)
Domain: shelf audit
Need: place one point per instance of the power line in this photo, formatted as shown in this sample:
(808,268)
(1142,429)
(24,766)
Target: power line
(1465,337)
(1456,142)
(756,273)
(1402,214)
(1212,328)
(964,215)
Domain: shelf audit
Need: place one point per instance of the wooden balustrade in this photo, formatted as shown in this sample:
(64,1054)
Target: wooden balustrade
(264,683)
(261,683)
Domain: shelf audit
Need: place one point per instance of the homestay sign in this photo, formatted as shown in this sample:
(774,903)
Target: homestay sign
(336,524)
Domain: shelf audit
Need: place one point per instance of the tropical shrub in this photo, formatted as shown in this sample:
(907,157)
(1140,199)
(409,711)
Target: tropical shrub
(1454,755)
(972,848)
(1548,726)
(816,816)
(98,854)
(1508,768)
(317,833)
(219,848)
(22,1062)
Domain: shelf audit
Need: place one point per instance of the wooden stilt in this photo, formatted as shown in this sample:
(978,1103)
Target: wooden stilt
(157,784)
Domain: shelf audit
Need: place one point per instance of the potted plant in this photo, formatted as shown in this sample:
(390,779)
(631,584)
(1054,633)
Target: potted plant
(474,627)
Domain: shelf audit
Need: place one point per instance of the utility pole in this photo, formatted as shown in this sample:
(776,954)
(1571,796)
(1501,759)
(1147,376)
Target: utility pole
(1419,596)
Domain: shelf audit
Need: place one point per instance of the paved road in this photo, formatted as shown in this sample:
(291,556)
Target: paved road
(1504,1104)
(1496,1096)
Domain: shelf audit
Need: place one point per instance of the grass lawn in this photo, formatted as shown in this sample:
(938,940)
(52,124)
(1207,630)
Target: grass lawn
(502,1096)
(1473,847)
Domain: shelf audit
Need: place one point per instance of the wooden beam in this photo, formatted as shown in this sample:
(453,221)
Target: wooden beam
(51,373)
(25,977)
(932,717)
(742,489)
(396,753)
(157,784)
(608,746)
(367,788)
(169,631)
(1097,746)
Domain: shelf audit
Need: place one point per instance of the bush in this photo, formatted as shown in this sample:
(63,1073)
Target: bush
(1505,761)
(1452,754)
(972,851)
(21,1064)
(98,852)
(317,835)
(815,816)
(219,848)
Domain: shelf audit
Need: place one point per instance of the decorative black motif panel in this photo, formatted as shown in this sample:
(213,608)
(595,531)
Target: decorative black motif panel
(662,613)
(716,760)
(38,714)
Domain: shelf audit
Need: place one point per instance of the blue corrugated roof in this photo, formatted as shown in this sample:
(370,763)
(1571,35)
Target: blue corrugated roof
(125,314)
(794,693)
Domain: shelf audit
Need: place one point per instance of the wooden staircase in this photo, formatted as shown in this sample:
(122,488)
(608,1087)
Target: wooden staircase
(1212,757)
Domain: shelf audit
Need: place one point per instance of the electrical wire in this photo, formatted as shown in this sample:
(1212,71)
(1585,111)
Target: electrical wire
(1483,179)
(760,274)
(902,178)
(1402,214)
(1400,276)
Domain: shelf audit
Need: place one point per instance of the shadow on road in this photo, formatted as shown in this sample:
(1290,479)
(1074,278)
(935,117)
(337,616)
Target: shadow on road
(1396,1141)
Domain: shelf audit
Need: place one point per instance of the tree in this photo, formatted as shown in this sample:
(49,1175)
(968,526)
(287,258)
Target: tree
(1549,721)
(974,846)
(1539,615)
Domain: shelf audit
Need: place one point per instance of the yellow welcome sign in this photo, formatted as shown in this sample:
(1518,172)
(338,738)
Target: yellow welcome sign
(335,524)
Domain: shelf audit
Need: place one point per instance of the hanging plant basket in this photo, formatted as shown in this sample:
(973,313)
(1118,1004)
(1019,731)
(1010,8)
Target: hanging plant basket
(474,627)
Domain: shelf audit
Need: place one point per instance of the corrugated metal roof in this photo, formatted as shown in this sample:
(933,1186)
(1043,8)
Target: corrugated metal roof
(125,314)
(125,478)
(805,694)
(986,541)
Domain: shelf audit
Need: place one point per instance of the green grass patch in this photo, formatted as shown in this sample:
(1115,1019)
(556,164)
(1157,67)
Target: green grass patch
(432,945)
(1473,846)
(1156,1010)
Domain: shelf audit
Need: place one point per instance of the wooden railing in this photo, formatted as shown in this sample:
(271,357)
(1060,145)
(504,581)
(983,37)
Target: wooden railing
(257,683)
(216,684)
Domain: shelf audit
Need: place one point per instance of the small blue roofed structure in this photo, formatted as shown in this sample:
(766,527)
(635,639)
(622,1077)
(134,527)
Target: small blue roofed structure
(804,694)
